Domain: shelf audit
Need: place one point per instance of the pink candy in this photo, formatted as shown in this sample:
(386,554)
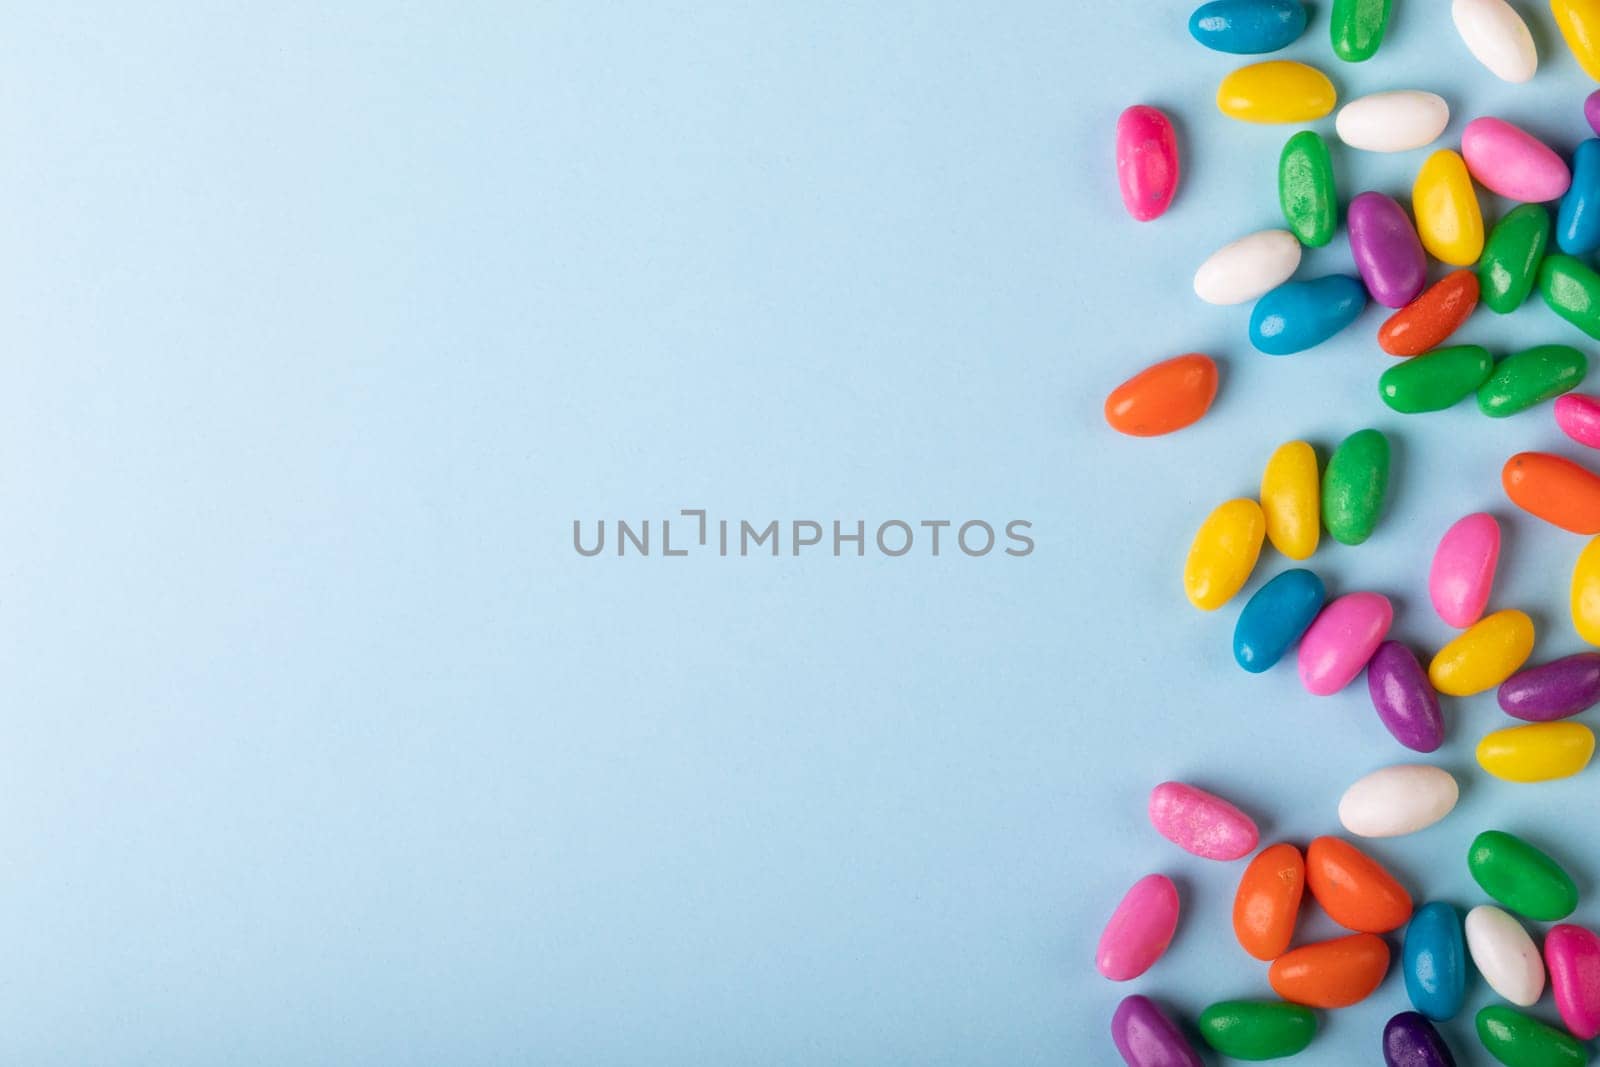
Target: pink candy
(1579,418)
(1201,823)
(1463,569)
(1573,956)
(1512,162)
(1341,640)
(1140,929)
(1147,161)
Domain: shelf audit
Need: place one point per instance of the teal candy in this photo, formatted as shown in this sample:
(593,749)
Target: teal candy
(1434,961)
(1273,620)
(1248,27)
(1300,315)
(1578,221)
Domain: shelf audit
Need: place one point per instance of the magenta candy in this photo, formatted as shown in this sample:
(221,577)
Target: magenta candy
(1387,250)
(1147,1038)
(1573,956)
(1554,690)
(1591,111)
(1201,822)
(1404,698)
(1512,162)
(1463,569)
(1147,161)
(1578,415)
(1341,639)
(1139,930)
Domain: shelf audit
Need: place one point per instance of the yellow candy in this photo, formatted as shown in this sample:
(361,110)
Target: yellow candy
(1486,654)
(1278,90)
(1586,593)
(1580,25)
(1449,220)
(1537,753)
(1291,501)
(1224,553)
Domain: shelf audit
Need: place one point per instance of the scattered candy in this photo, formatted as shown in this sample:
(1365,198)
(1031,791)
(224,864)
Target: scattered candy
(1556,490)
(1553,691)
(1578,416)
(1409,1040)
(1356,28)
(1331,974)
(1353,888)
(1591,110)
(1224,553)
(1354,485)
(1579,22)
(1531,377)
(1519,876)
(1140,930)
(1572,290)
(1146,1037)
(1586,593)
(1434,961)
(1578,220)
(1267,903)
(1341,639)
(1438,380)
(1248,27)
(1247,268)
(1164,397)
(1512,162)
(1432,317)
(1449,219)
(1398,800)
(1305,188)
(1300,315)
(1519,1040)
(1147,161)
(1511,258)
(1497,37)
(1572,954)
(1201,823)
(1257,1029)
(1386,248)
(1278,90)
(1541,752)
(1394,121)
(1275,617)
(1490,651)
(1463,569)
(1291,500)
(1504,954)
(1406,703)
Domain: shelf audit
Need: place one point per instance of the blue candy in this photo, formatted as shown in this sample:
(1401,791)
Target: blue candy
(1248,27)
(1273,620)
(1578,222)
(1435,961)
(1300,315)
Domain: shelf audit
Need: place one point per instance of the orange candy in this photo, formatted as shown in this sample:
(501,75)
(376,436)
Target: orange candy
(1557,490)
(1268,901)
(1427,321)
(1165,397)
(1331,974)
(1353,888)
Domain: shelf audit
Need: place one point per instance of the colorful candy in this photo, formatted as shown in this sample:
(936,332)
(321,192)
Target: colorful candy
(1405,701)
(1512,256)
(1591,110)
(1572,290)
(1257,1029)
(1140,930)
(1267,903)
(1354,485)
(1531,377)
(1164,397)
(1578,415)
(1586,593)
(1354,889)
(1541,752)
(1463,569)
(1504,954)
(1554,690)
(1275,617)
(1386,248)
(1341,639)
(1578,220)
(1432,317)
(1434,961)
(1572,954)
(1398,800)
(1521,877)
(1556,490)
(1395,121)
(1291,500)
(1245,269)
(1579,22)
(1146,1037)
(1449,219)
(1201,823)
(1409,1040)
(1147,161)
(1224,553)
(1331,974)
(1248,27)
(1300,315)
(1512,162)
(1356,28)
(1497,37)
(1278,90)
(1438,380)
(1486,654)
(1306,190)
(1519,1040)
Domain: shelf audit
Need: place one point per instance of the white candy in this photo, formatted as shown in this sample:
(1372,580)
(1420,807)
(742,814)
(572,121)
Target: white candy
(1505,955)
(1497,37)
(1395,121)
(1248,267)
(1398,800)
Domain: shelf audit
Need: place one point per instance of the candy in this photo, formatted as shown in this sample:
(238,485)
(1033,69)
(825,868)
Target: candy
(1146,1037)
(1591,110)
(1147,161)
(1386,248)
(1497,37)
(1578,220)
(1512,162)
(1398,800)
(1449,219)
(1405,702)
(1573,956)
(1519,1040)
(1521,877)
(1278,90)
(1436,381)
(1248,27)
(1354,485)
(1409,1040)
(1300,315)
(1394,121)
(1140,930)
(1305,189)
(1268,901)
(1428,320)
(1490,651)
(1275,617)
(1572,290)
(1557,490)
(1164,397)
(1224,553)
(1531,377)
(1579,22)
(1353,888)
(1579,418)
(1257,1029)
(1538,753)
(1463,569)
(1553,691)
(1331,974)
(1291,500)
(1586,593)
(1356,28)
(1341,639)
(1504,954)
(1434,961)
(1245,269)
(1201,823)
(1511,258)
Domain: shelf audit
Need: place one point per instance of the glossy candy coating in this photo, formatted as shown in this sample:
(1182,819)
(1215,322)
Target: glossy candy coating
(1300,315)
(1449,218)
(1438,380)
(1164,397)
(1353,888)
(1462,573)
(1354,485)
(1291,499)
(1585,600)
(1521,877)
(1244,269)
(1306,190)
(1356,28)
(1426,322)
(1497,37)
(1248,27)
(1540,752)
(1140,930)
(1512,256)
(1572,955)
(1146,1037)
(1579,22)
(1578,219)
(1409,1040)
(1486,654)
(1519,1040)
(1554,690)
(1572,290)
(1224,553)
(1397,120)
(1275,617)
(1267,903)
(1508,160)
(1591,110)
(1386,248)
(1504,954)
(1147,161)
(1331,974)
(1404,699)
(1555,489)
(1531,377)
(1434,961)
(1278,90)
(1341,639)
(1257,1029)
(1201,823)
(1398,800)
(1578,415)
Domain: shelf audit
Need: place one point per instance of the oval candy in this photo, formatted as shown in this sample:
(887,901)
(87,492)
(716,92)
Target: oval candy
(1341,639)
(1572,954)
(1432,317)
(1512,255)
(1267,903)
(1585,600)
(1140,930)
(1531,377)
(1578,415)
(1486,654)
(1578,218)
(1505,955)
(1223,553)
(1572,290)
(1356,28)
(1164,397)
(1553,691)
(1541,752)
(1300,315)
(1521,877)
(1275,617)
(1386,248)
(1201,823)
(1353,888)
(1147,161)
(1257,1029)
(1579,22)
(1449,219)
(1245,269)
(1354,485)
(1438,380)
(1394,121)
(1554,489)
(1306,191)
(1331,974)
(1248,27)
(1399,800)
(1405,701)
(1146,1037)
(1591,110)
(1291,500)
(1462,573)
(1409,1040)
(1497,37)
(1508,160)
(1278,90)
(1519,1040)
(1434,960)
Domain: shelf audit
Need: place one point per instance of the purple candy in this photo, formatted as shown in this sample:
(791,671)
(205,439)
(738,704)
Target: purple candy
(1553,691)
(1387,250)
(1591,110)
(1147,1038)
(1405,698)
(1409,1040)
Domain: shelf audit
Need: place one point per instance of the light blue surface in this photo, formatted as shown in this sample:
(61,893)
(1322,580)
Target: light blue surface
(323,323)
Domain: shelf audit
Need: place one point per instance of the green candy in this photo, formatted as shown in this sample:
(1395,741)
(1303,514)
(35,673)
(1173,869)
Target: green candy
(1356,27)
(1519,1040)
(1353,486)
(1531,377)
(1521,877)
(1435,381)
(1305,189)
(1510,263)
(1572,290)
(1257,1029)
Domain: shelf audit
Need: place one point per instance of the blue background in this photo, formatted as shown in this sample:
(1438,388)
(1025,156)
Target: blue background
(322,324)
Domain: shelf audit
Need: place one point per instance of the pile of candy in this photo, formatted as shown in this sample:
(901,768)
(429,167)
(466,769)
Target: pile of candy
(1339,639)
